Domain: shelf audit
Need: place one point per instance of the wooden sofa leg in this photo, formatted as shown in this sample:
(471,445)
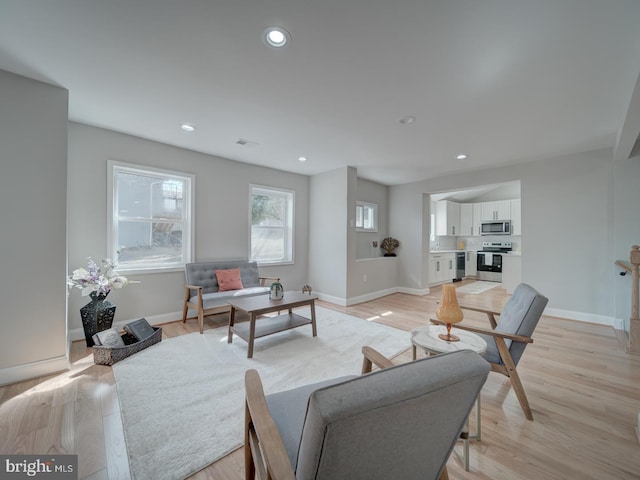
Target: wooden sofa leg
(201,319)
(185,306)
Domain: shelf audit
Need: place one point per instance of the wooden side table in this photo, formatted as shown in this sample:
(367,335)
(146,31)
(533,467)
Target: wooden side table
(427,339)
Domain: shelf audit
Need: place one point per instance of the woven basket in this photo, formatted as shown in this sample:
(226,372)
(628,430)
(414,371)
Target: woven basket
(110,355)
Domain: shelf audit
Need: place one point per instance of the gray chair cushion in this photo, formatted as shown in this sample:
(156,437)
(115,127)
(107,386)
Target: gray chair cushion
(288,410)
(203,274)
(219,299)
(520,316)
(395,423)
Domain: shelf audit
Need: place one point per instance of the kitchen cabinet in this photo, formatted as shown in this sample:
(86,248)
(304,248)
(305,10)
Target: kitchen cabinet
(466,219)
(511,272)
(477,218)
(447,218)
(442,267)
(499,210)
(516,217)
(470,263)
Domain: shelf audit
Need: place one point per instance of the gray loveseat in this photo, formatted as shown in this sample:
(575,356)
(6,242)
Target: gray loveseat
(202,292)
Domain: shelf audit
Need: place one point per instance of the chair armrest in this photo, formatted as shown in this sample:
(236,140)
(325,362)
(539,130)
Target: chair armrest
(260,422)
(478,309)
(264,279)
(187,292)
(373,357)
(486,331)
(491,314)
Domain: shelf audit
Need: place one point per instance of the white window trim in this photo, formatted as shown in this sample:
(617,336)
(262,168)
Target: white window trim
(253,186)
(375,220)
(112,227)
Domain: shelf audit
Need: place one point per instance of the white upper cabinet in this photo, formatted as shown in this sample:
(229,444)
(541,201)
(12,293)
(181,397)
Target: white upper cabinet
(477,219)
(447,218)
(466,219)
(499,210)
(516,218)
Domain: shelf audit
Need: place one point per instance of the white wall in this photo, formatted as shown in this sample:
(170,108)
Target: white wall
(221,209)
(33,189)
(567,224)
(328,243)
(372,192)
(626,229)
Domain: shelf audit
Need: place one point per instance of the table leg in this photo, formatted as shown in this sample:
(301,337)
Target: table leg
(252,334)
(232,317)
(314,329)
(415,353)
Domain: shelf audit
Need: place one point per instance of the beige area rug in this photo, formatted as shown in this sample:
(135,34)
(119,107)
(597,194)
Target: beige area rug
(478,287)
(182,400)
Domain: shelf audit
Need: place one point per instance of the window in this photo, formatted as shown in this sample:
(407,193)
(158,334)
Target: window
(366,217)
(271,218)
(150,225)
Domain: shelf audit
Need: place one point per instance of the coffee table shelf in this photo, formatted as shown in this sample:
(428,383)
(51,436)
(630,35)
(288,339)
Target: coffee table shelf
(269,325)
(259,326)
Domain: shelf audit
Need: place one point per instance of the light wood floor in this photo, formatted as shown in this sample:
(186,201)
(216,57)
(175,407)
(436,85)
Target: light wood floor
(583,389)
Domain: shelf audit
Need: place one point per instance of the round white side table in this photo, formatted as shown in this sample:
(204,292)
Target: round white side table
(427,338)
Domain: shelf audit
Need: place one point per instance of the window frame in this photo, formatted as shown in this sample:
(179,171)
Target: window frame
(289,229)
(188,198)
(374,207)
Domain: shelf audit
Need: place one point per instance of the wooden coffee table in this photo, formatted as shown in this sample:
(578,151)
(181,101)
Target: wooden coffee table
(262,304)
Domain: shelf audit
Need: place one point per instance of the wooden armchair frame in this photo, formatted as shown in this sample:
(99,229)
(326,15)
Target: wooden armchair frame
(265,456)
(509,367)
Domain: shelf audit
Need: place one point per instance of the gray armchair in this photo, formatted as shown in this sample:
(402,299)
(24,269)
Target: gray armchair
(508,337)
(397,422)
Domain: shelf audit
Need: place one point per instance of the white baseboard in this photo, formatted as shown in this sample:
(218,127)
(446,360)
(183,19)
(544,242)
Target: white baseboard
(584,317)
(370,296)
(347,302)
(78,333)
(414,291)
(27,371)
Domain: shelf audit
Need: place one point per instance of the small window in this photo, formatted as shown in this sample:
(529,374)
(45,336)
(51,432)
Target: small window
(271,225)
(150,225)
(366,217)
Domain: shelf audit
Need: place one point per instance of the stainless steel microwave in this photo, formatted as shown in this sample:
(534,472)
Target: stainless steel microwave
(501,227)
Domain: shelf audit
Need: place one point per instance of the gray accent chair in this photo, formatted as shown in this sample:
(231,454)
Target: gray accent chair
(508,337)
(202,292)
(399,422)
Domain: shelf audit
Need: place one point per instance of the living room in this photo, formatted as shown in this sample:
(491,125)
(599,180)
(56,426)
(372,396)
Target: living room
(580,209)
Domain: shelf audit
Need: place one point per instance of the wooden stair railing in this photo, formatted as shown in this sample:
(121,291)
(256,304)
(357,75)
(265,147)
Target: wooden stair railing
(634,321)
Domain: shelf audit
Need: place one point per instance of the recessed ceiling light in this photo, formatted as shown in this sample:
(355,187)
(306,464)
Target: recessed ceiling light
(302,159)
(407,120)
(187,127)
(462,156)
(276,37)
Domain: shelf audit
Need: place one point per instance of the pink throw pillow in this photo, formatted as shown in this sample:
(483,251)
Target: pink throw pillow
(229,280)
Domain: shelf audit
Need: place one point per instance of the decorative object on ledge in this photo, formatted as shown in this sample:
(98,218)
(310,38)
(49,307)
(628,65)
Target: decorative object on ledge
(97,282)
(389,244)
(449,311)
(306,289)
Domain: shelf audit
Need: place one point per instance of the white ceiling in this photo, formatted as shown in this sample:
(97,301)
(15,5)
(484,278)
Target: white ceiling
(503,81)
